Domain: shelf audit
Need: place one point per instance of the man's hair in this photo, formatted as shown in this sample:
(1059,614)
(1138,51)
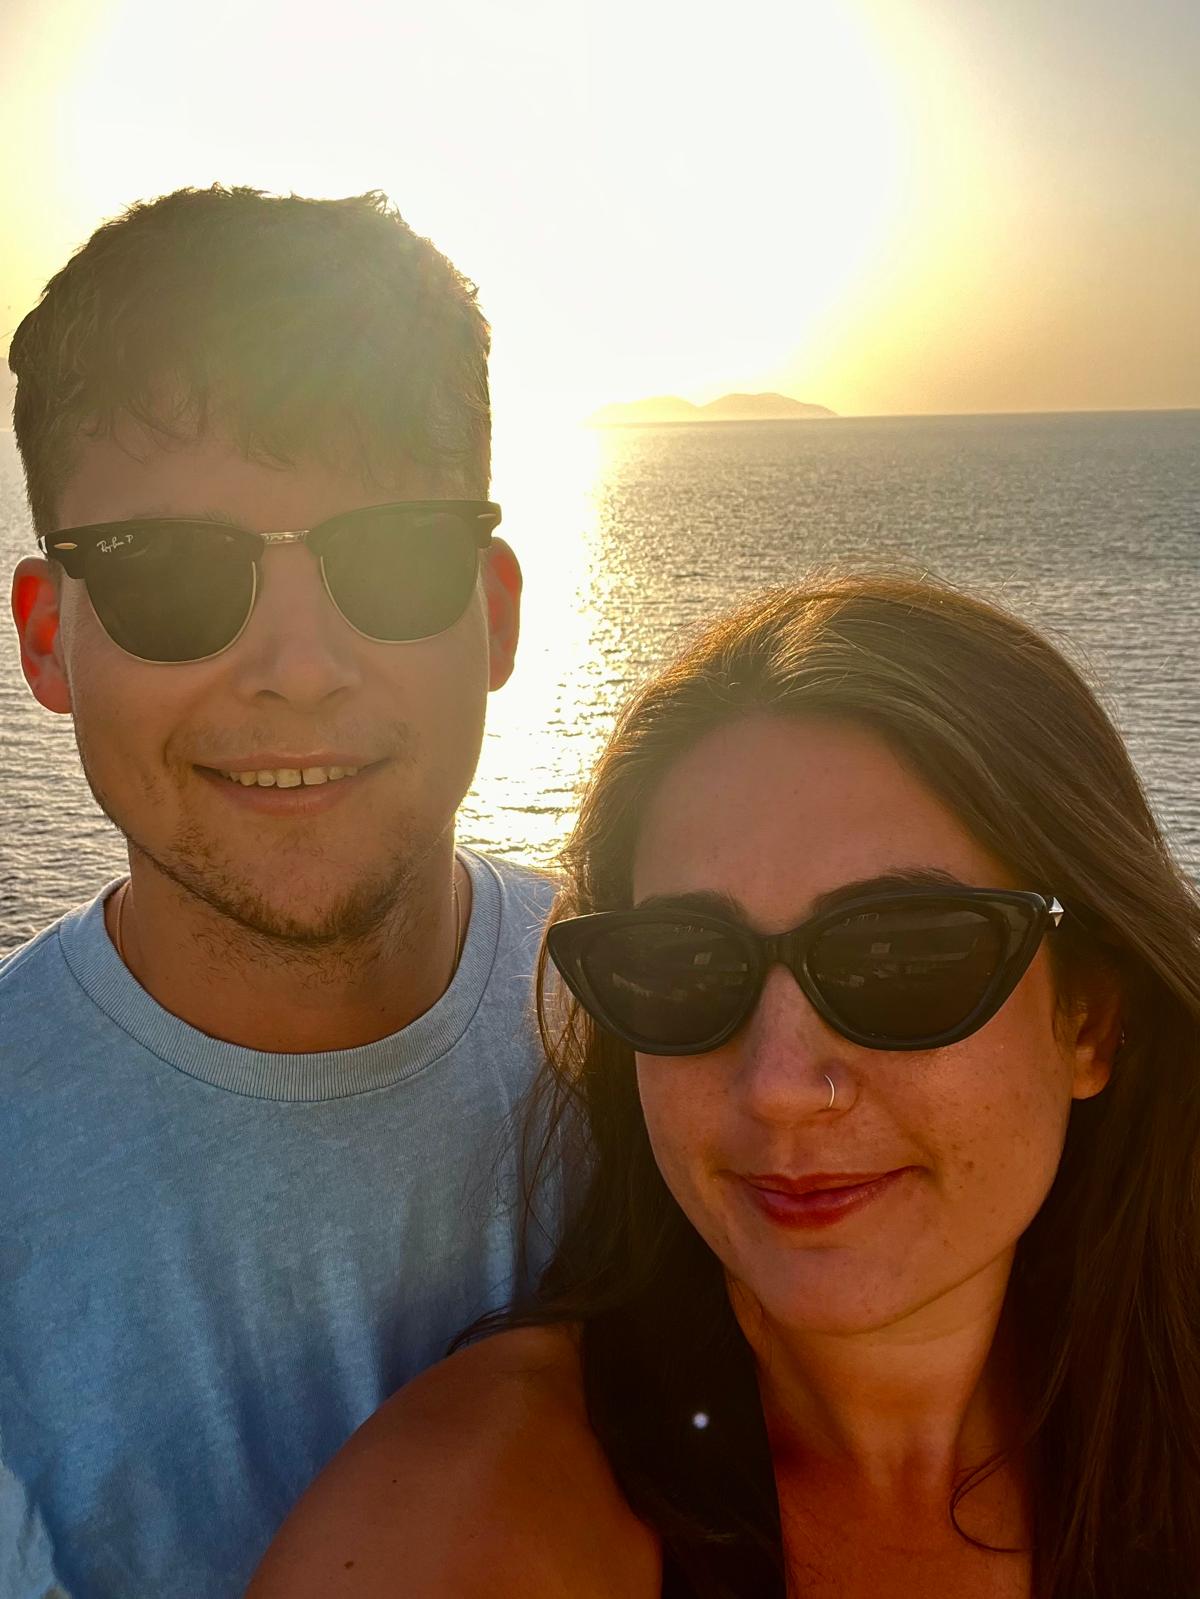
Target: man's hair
(305,329)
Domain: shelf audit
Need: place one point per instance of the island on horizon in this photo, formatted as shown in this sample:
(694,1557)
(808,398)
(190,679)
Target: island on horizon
(729,408)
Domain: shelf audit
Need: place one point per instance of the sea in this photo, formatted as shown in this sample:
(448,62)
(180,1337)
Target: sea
(1087,524)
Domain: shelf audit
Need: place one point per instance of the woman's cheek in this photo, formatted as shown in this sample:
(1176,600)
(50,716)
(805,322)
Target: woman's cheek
(683,1116)
(1002,1122)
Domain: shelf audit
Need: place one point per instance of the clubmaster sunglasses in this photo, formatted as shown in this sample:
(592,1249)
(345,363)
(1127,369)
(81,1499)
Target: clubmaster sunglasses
(174,589)
(911,969)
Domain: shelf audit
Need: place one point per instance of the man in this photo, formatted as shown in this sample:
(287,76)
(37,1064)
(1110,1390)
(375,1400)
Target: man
(253,1166)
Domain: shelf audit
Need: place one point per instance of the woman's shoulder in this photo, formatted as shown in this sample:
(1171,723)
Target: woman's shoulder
(482,1476)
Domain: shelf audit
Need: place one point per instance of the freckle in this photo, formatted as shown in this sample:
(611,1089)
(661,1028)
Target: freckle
(348,1565)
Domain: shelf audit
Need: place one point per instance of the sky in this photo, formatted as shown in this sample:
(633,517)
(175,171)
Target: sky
(882,206)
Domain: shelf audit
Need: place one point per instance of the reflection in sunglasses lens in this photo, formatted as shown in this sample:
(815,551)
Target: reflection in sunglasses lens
(906,974)
(172,593)
(402,577)
(672,983)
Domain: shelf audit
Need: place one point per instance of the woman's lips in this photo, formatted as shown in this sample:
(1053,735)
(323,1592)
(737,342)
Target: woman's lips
(820,1200)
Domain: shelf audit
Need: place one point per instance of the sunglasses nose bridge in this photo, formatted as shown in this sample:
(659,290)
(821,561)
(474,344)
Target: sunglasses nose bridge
(790,950)
(784,949)
(267,542)
(299,536)
(262,542)
(255,551)
(780,950)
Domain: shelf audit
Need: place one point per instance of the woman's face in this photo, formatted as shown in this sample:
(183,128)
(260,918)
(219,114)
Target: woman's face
(953,1150)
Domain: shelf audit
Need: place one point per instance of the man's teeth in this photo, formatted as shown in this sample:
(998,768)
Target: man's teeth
(291,776)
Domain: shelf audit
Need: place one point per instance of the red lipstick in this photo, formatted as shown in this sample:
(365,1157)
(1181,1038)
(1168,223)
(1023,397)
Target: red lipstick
(818,1199)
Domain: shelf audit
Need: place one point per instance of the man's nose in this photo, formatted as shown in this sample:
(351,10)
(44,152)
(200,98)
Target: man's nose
(297,646)
(787,1057)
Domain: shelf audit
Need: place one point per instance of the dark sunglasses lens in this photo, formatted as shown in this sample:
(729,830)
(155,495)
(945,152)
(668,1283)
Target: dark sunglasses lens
(904,974)
(669,984)
(401,575)
(171,591)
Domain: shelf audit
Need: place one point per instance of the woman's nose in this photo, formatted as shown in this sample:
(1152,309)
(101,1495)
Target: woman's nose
(787,1058)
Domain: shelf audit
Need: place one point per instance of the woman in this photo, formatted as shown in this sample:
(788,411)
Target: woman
(885,1031)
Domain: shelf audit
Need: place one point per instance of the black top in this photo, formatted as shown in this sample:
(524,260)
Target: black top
(675,1584)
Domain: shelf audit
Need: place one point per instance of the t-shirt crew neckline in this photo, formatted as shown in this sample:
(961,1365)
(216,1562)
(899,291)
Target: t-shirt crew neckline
(260,1074)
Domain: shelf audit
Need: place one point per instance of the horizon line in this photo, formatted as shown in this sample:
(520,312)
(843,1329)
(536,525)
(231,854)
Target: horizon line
(882,416)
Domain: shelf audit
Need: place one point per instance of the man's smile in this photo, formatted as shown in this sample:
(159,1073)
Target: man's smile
(287,788)
(290,777)
(271,771)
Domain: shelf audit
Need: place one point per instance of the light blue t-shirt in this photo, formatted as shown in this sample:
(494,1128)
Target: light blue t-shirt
(26,1559)
(215,1263)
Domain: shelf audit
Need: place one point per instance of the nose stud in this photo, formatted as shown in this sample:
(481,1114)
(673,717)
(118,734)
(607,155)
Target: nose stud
(832,1091)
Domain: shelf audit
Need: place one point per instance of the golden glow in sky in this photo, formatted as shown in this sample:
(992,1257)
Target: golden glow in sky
(879,205)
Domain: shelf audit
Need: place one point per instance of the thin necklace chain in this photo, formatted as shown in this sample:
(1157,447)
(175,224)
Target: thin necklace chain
(121,922)
(459,930)
(458,927)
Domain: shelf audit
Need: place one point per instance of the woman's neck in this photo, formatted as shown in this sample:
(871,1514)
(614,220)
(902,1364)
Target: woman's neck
(902,1411)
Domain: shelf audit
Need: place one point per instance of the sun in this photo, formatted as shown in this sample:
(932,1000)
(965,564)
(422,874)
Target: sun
(647,198)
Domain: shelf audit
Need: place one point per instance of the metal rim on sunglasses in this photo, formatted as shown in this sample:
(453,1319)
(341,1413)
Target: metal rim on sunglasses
(75,548)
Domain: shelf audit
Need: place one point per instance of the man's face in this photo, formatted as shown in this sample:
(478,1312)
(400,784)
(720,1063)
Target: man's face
(300,690)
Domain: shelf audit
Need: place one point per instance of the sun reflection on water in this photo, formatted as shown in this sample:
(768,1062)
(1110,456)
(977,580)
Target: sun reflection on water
(544,731)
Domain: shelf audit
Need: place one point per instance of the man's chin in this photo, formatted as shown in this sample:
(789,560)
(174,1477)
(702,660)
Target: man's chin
(315,923)
(302,911)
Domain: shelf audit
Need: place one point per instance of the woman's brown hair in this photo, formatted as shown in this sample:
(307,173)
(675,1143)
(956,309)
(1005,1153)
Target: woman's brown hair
(1105,1293)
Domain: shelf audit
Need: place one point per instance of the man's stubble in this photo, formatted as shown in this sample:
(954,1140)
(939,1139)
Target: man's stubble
(373,915)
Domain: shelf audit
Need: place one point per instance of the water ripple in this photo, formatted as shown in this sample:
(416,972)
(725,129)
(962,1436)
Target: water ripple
(1087,525)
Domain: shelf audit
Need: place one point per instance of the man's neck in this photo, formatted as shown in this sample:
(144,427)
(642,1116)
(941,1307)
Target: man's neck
(286,996)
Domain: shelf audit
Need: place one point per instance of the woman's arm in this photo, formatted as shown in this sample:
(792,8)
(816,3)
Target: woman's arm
(481,1478)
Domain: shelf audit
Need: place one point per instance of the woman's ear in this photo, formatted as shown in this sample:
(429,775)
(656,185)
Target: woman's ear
(1091,1031)
(36,595)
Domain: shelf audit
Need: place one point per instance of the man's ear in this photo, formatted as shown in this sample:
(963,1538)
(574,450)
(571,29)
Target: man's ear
(502,592)
(1092,1033)
(35,608)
